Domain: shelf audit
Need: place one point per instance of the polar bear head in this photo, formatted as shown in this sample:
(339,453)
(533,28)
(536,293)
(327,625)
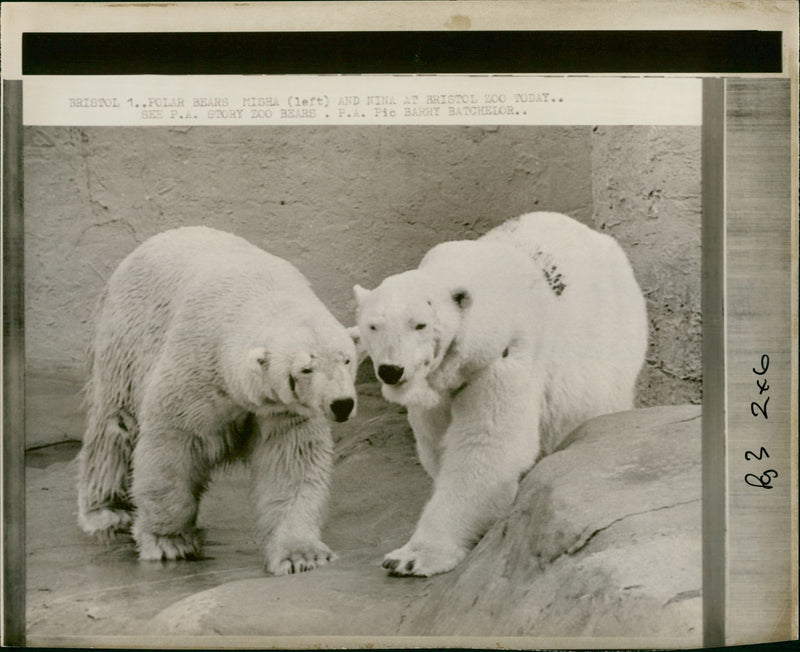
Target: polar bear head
(307,372)
(407,325)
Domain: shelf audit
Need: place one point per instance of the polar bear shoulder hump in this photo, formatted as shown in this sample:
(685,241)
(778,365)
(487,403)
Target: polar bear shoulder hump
(201,252)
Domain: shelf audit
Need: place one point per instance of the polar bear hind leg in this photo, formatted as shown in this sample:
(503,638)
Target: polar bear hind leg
(104,509)
(167,484)
(163,547)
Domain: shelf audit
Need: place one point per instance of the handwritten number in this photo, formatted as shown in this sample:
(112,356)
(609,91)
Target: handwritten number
(761,408)
(760,481)
(763,481)
(764,365)
(750,455)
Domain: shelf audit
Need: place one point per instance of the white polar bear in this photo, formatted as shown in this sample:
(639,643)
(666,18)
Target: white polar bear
(208,350)
(499,347)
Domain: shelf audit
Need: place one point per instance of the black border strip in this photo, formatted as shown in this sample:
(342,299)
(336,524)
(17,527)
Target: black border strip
(13,445)
(418,52)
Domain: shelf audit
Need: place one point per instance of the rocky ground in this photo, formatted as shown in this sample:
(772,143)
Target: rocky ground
(601,549)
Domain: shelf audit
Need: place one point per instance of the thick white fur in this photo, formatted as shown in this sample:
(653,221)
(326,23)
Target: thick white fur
(208,350)
(507,343)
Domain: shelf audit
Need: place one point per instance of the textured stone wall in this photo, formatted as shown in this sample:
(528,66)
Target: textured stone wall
(646,193)
(345,205)
(352,205)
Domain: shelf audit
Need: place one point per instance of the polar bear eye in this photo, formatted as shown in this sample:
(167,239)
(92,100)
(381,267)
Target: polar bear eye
(373,327)
(347,361)
(419,327)
(307,370)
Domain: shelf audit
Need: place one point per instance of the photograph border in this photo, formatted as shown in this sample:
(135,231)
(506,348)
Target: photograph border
(722,367)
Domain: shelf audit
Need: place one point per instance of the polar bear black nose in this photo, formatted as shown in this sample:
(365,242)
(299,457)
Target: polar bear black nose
(342,408)
(390,374)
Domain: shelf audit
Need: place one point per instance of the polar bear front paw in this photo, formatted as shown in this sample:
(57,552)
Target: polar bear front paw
(297,557)
(422,560)
(165,547)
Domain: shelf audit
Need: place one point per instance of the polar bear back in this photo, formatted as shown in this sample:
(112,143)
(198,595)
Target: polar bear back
(577,251)
(200,260)
(598,335)
(587,272)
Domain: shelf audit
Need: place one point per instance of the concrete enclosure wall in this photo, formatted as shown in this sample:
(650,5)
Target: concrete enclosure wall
(646,193)
(352,205)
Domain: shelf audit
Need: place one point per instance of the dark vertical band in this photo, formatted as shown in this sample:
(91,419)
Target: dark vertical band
(713,309)
(13,371)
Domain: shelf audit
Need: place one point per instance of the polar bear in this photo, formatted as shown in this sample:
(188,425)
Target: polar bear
(208,350)
(499,347)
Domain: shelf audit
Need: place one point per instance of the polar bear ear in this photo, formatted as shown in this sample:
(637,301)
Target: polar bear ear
(258,357)
(462,298)
(361,352)
(360,293)
(355,335)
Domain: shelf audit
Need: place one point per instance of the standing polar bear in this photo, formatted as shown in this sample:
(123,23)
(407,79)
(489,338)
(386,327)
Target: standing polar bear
(208,350)
(499,347)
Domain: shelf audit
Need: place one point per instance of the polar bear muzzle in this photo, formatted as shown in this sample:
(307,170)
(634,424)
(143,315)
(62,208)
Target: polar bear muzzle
(342,408)
(390,374)
(326,389)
